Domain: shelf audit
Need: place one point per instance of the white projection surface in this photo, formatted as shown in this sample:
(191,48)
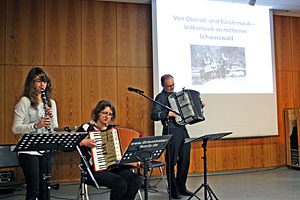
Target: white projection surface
(224,51)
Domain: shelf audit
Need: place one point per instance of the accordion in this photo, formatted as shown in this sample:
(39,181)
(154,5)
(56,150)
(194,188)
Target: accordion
(108,150)
(189,105)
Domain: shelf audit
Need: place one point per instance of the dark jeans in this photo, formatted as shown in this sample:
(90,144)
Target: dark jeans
(123,183)
(180,155)
(33,168)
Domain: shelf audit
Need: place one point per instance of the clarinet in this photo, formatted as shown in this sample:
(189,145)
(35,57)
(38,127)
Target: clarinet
(45,106)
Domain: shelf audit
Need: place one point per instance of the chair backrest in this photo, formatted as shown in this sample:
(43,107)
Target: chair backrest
(126,135)
(8,158)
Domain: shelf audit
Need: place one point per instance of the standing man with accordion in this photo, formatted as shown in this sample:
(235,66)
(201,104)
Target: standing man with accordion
(178,153)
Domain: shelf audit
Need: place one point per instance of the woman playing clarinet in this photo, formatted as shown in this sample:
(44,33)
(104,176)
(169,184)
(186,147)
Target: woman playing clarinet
(32,116)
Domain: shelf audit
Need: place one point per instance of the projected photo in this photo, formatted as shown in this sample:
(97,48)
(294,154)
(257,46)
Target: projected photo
(217,63)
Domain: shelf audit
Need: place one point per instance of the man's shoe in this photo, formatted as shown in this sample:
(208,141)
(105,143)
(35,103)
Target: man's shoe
(175,196)
(185,192)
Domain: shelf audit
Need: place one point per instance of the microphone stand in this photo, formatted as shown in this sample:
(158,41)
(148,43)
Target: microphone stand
(167,125)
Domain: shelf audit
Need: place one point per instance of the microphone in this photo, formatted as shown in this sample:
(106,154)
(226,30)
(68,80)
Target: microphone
(135,90)
(66,128)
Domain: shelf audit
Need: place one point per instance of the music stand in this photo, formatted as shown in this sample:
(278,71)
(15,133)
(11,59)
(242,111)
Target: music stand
(206,138)
(145,149)
(47,144)
(168,148)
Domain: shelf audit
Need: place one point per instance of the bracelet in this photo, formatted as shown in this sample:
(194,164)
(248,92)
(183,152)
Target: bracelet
(35,127)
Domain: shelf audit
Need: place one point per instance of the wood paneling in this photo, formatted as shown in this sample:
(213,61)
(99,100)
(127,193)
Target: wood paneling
(284,90)
(296,84)
(134,35)
(25,32)
(196,163)
(99,33)
(63,32)
(295,41)
(285,96)
(14,85)
(282,43)
(229,154)
(98,83)
(66,167)
(284,84)
(2,124)
(135,109)
(2,31)
(66,92)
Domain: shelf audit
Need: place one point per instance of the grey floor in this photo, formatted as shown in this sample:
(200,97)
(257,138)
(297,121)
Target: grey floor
(265,184)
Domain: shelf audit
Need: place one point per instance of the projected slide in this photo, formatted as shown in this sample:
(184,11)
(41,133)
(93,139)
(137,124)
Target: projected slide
(224,51)
(216,62)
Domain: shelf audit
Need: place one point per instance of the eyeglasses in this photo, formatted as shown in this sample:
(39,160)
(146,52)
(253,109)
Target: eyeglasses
(169,86)
(107,114)
(39,81)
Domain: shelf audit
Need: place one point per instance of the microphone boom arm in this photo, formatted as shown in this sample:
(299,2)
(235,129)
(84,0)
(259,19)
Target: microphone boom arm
(162,105)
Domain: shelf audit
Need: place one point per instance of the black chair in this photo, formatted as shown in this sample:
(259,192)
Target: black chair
(154,164)
(9,159)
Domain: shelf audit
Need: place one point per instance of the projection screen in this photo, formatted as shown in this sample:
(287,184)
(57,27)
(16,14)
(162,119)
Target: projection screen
(224,51)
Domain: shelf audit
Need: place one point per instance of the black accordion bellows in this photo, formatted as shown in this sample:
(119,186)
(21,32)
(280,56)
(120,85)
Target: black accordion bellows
(188,103)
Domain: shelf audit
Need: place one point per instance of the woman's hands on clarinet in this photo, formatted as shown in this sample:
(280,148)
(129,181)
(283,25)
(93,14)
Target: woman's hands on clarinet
(46,121)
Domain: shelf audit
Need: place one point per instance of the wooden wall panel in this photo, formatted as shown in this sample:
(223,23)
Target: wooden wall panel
(229,154)
(285,96)
(25,32)
(98,83)
(99,33)
(2,31)
(277,158)
(257,153)
(135,110)
(2,114)
(63,32)
(282,42)
(14,85)
(134,37)
(284,90)
(284,84)
(65,168)
(66,92)
(196,163)
(295,41)
(296,83)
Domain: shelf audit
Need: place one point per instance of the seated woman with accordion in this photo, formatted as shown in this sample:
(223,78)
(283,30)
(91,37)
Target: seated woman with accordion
(123,183)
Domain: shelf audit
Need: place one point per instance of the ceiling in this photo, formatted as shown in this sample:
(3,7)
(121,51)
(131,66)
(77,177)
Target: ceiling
(281,7)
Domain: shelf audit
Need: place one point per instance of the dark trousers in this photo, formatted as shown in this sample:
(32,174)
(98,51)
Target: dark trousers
(180,155)
(123,183)
(33,168)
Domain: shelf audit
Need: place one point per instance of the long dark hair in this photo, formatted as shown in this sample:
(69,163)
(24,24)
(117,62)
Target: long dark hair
(30,90)
(101,105)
